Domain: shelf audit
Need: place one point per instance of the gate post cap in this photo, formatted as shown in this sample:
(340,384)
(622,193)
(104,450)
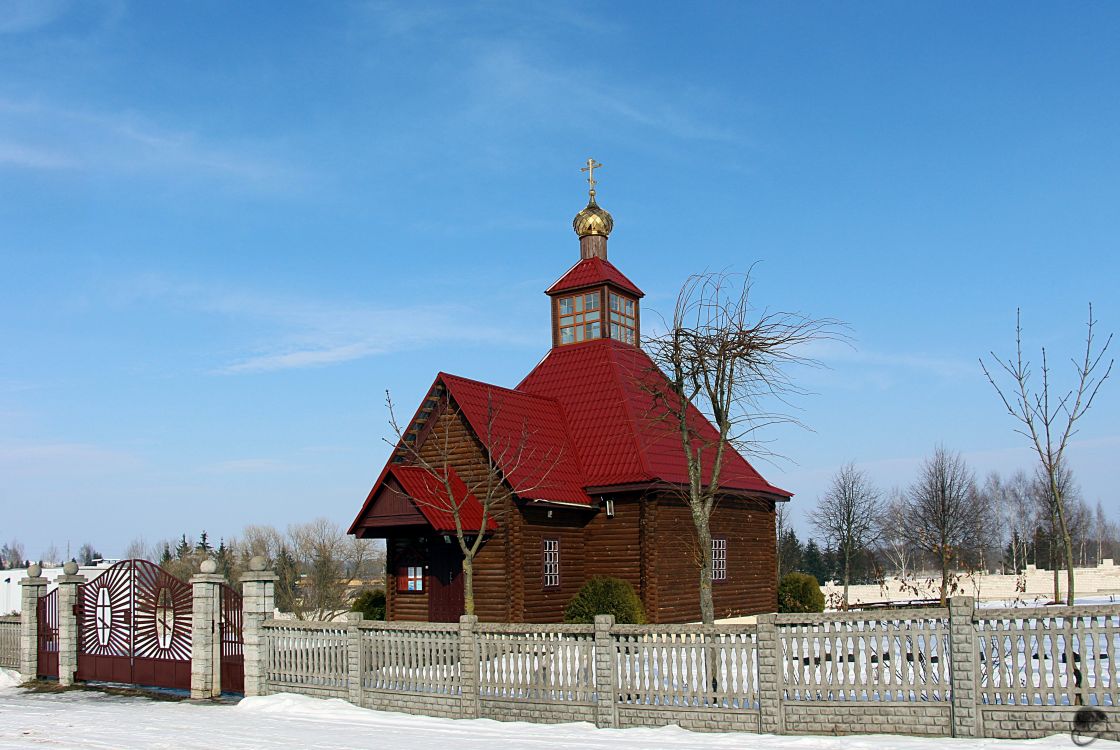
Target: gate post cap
(208,566)
(70,568)
(258,563)
(34,570)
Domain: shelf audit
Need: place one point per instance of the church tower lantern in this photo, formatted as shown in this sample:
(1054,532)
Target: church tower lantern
(594,300)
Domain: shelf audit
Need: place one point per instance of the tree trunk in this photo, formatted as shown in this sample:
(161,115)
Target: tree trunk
(468,583)
(847,575)
(704,539)
(944,578)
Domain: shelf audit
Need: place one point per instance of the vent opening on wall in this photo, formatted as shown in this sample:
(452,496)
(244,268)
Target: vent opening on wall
(609,505)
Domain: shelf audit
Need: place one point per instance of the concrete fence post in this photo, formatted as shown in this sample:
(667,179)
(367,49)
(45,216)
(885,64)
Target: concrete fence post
(258,602)
(32,588)
(768,650)
(962,666)
(68,584)
(606,700)
(206,641)
(468,667)
(354,657)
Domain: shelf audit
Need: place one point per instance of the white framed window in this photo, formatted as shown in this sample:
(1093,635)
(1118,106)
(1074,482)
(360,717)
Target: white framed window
(719,559)
(550,558)
(412,578)
(579,318)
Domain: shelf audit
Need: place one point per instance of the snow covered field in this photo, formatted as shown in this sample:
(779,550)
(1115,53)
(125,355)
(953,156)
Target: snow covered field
(85,719)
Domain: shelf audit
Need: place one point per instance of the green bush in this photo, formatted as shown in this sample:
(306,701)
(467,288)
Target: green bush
(800,592)
(606,596)
(370,603)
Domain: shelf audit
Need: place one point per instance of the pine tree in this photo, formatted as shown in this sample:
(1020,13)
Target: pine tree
(183,548)
(165,556)
(203,547)
(813,563)
(287,582)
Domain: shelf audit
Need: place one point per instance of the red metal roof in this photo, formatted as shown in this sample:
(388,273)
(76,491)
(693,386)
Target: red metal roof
(429,494)
(608,392)
(592,271)
(527,437)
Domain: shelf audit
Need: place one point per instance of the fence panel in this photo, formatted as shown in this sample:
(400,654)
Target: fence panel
(547,663)
(309,655)
(899,655)
(692,666)
(415,658)
(9,642)
(1049,656)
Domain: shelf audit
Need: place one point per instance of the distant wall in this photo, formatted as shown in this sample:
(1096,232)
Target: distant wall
(1034,586)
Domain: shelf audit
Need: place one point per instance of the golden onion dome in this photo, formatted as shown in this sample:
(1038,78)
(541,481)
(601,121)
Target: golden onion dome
(593,220)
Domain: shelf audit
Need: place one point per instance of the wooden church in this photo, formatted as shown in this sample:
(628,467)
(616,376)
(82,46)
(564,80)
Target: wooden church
(579,475)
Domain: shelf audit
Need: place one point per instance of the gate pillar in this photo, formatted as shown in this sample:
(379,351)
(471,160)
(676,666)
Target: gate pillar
(206,641)
(68,584)
(258,597)
(32,589)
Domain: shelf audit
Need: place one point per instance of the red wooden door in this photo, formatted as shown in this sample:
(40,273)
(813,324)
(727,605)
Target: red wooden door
(445,581)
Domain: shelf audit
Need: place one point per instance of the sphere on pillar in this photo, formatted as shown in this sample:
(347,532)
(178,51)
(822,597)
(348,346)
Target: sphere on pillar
(34,570)
(209,565)
(258,563)
(70,568)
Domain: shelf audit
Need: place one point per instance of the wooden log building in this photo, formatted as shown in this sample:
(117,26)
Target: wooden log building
(589,478)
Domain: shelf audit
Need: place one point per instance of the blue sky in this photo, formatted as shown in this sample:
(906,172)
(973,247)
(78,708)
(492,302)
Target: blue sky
(227,229)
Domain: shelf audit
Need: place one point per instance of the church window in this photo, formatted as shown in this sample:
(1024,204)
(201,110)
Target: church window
(411,578)
(579,318)
(623,318)
(719,559)
(550,552)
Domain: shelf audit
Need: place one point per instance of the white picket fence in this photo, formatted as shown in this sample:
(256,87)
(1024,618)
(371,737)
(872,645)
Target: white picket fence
(869,661)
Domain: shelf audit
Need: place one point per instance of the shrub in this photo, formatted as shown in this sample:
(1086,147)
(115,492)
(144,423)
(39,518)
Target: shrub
(371,603)
(606,596)
(800,592)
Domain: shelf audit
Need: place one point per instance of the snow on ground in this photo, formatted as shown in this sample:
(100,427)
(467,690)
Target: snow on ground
(87,719)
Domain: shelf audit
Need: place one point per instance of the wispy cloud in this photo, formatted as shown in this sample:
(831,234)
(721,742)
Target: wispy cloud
(37,135)
(30,157)
(310,333)
(837,353)
(72,459)
(19,16)
(246,466)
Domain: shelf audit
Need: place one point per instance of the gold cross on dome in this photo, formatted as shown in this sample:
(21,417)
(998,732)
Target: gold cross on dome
(592,165)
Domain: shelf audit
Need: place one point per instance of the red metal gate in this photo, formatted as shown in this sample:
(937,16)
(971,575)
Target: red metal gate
(47,608)
(233,642)
(134,625)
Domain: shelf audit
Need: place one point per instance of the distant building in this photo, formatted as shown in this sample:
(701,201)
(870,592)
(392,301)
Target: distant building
(591,477)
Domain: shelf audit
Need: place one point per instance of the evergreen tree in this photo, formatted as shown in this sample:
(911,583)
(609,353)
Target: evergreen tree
(203,547)
(790,552)
(287,581)
(224,557)
(813,563)
(183,548)
(165,556)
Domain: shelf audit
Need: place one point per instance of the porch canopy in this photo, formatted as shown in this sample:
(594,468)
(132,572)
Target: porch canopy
(414,498)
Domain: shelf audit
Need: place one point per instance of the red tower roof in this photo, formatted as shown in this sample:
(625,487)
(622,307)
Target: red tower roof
(592,271)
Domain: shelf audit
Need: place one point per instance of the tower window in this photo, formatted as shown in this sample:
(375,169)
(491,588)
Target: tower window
(579,318)
(623,318)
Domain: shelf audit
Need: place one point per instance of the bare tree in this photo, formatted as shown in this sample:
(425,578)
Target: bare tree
(944,514)
(847,517)
(894,537)
(12,554)
(1049,423)
(328,558)
(781,526)
(728,360)
(505,454)
(51,555)
(138,549)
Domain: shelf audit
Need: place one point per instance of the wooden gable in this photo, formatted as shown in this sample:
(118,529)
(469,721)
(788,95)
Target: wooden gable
(391,507)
